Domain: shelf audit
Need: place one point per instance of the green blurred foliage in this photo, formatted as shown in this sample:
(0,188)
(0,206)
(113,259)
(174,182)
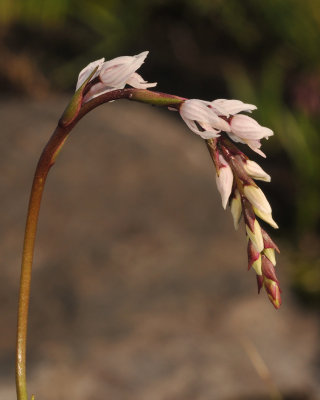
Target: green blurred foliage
(262,52)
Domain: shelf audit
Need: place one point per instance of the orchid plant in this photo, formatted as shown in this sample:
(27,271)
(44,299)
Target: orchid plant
(219,122)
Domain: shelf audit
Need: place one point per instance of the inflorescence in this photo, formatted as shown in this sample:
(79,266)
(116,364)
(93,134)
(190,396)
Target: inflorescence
(221,124)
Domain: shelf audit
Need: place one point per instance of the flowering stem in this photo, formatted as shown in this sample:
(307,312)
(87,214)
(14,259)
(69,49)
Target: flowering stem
(140,95)
(46,161)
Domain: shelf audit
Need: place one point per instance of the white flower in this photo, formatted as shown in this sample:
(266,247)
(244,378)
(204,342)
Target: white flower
(114,74)
(245,127)
(202,119)
(231,107)
(224,180)
(246,130)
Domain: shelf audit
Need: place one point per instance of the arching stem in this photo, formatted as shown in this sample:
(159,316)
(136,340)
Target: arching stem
(45,162)
(47,159)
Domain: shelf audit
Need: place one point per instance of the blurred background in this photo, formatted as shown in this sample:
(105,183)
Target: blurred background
(150,253)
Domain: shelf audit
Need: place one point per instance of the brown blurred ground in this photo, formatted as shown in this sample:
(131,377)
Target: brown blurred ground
(140,288)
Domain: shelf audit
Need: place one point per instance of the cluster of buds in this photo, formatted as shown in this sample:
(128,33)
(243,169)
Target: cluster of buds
(221,124)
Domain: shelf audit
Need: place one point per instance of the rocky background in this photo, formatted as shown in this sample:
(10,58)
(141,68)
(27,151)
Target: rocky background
(140,285)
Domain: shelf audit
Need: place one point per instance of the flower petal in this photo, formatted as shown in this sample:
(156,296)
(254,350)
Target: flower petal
(246,127)
(116,72)
(231,107)
(198,114)
(85,72)
(138,82)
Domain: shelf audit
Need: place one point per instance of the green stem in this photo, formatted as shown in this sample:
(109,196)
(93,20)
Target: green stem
(47,159)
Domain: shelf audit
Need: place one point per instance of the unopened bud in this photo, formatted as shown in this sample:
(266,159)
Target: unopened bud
(224,181)
(270,253)
(259,282)
(257,265)
(255,171)
(268,242)
(268,269)
(255,236)
(265,217)
(248,213)
(253,254)
(273,291)
(257,198)
(236,209)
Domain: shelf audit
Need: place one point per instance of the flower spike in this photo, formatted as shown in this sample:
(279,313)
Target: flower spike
(235,174)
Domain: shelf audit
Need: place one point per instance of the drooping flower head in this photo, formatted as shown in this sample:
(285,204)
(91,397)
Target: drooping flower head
(235,175)
(221,123)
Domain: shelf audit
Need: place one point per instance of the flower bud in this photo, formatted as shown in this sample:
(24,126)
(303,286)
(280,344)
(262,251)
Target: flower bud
(265,217)
(224,181)
(268,269)
(236,209)
(259,282)
(268,242)
(273,291)
(253,254)
(255,171)
(257,198)
(256,265)
(270,253)
(255,236)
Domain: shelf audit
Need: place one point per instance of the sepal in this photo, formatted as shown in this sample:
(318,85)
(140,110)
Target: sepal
(73,108)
